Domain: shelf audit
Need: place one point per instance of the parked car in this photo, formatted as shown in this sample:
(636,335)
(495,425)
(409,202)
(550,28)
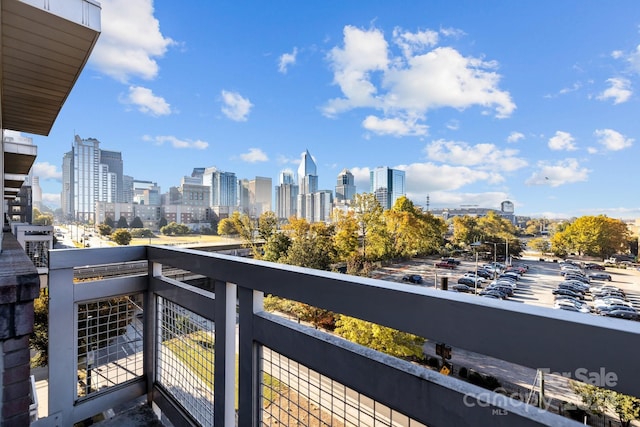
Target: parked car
(413,278)
(563,304)
(623,314)
(470,281)
(481,273)
(494,293)
(568,292)
(462,288)
(612,307)
(594,266)
(600,276)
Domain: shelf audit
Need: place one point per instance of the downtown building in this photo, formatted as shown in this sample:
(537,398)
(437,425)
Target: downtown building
(311,204)
(387,185)
(286,195)
(90,175)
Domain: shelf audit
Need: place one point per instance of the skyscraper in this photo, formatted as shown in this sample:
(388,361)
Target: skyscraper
(311,204)
(259,195)
(307,174)
(88,178)
(224,187)
(387,185)
(345,187)
(286,195)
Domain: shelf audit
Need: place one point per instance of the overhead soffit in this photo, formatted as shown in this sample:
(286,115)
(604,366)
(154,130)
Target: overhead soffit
(42,56)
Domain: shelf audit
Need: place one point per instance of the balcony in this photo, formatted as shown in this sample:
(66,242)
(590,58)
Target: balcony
(210,355)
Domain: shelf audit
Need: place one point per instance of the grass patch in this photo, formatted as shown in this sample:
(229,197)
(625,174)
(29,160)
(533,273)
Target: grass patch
(195,350)
(161,239)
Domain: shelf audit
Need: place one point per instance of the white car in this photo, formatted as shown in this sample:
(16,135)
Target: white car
(473,276)
(569,305)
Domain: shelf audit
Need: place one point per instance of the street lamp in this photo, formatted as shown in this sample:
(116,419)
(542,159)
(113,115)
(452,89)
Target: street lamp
(475,284)
(495,259)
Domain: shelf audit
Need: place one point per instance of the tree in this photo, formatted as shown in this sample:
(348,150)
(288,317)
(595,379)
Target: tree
(39,218)
(122,223)
(121,237)
(369,216)
(109,221)
(104,229)
(39,338)
(162,222)
(141,233)
(267,225)
(226,227)
(276,247)
(345,239)
(137,223)
(540,244)
(175,229)
(381,338)
(598,400)
(466,230)
(592,235)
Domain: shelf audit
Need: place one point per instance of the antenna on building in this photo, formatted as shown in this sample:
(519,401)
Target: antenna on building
(427,203)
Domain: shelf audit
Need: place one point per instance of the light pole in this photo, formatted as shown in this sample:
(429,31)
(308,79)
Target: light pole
(495,259)
(475,249)
(506,251)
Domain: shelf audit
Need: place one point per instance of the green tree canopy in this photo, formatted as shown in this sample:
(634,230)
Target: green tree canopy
(109,221)
(122,223)
(162,222)
(121,237)
(368,214)
(345,239)
(267,225)
(175,229)
(276,247)
(104,229)
(137,223)
(592,235)
(226,228)
(381,338)
(540,244)
(40,218)
(598,400)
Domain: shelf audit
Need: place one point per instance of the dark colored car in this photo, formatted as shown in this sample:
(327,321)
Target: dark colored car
(469,281)
(482,273)
(494,293)
(462,288)
(413,278)
(568,292)
(594,266)
(600,276)
(623,314)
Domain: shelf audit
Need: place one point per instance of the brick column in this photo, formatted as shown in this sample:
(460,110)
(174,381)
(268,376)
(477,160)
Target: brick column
(19,286)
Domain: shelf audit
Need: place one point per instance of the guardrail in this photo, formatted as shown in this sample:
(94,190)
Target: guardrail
(176,343)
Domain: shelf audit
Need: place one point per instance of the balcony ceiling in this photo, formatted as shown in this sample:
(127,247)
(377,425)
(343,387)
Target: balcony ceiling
(42,56)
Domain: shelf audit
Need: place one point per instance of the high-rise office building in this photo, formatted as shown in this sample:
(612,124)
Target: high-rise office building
(224,187)
(387,185)
(259,195)
(87,179)
(286,195)
(345,186)
(310,203)
(307,174)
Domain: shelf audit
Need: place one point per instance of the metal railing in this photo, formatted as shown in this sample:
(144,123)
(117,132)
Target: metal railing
(188,349)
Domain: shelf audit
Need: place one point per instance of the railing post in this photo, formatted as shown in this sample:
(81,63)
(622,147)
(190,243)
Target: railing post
(63,330)
(150,334)
(225,354)
(250,358)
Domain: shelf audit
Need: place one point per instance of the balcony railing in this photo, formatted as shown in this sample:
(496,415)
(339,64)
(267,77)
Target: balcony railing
(189,348)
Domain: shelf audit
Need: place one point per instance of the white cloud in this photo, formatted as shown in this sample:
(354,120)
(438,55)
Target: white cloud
(130,41)
(254,155)
(515,137)
(592,150)
(560,173)
(453,124)
(424,178)
(281,159)
(414,42)
(619,90)
(287,59)
(562,141)
(613,140)
(46,170)
(146,102)
(451,198)
(409,85)
(175,142)
(394,126)
(452,32)
(617,54)
(236,107)
(481,156)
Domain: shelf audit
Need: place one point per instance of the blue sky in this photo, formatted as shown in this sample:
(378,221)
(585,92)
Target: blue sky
(479,102)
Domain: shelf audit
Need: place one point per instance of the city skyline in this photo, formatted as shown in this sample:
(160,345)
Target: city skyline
(477,103)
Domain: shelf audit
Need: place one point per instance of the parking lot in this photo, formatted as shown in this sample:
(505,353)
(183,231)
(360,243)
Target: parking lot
(534,287)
